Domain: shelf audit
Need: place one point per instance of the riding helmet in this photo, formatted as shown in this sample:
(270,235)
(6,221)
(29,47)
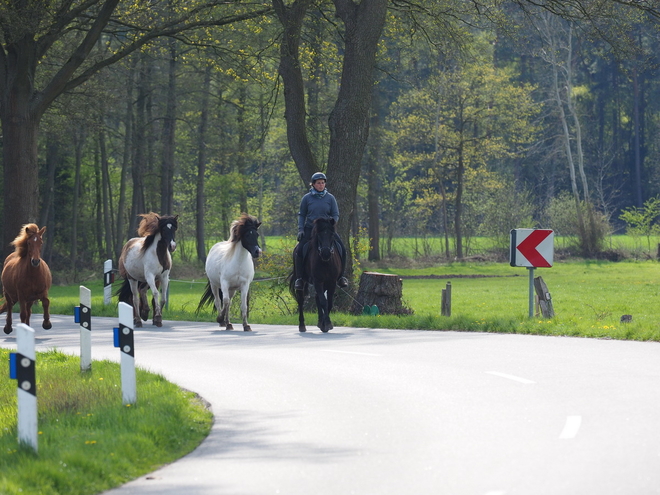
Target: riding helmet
(318,176)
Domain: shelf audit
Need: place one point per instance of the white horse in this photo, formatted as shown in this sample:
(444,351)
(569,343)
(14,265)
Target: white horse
(229,267)
(145,263)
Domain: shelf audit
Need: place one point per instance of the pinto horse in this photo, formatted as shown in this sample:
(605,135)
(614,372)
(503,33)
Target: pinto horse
(145,263)
(229,267)
(322,266)
(26,277)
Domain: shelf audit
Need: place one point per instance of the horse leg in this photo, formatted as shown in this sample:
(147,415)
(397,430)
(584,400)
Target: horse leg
(137,322)
(322,306)
(158,315)
(9,305)
(300,297)
(244,308)
(226,305)
(45,303)
(217,300)
(164,284)
(26,311)
(144,302)
(329,297)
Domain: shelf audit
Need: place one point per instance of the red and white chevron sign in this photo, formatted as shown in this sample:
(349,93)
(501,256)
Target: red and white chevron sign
(532,247)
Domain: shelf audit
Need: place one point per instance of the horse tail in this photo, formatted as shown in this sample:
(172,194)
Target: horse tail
(207,298)
(124,293)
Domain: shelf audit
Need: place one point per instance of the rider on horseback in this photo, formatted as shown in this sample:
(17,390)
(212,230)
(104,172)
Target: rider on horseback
(318,202)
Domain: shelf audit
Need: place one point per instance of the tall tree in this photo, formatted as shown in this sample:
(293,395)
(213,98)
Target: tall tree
(32,31)
(363,24)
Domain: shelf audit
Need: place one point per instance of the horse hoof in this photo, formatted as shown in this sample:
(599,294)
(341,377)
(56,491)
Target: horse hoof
(247,328)
(8,329)
(137,324)
(229,327)
(302,329)
(47,325)
(158,323)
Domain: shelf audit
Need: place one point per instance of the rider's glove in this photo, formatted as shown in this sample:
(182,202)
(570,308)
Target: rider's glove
(300,235)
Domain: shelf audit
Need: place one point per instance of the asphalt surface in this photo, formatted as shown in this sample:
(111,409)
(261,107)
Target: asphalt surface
(398,411)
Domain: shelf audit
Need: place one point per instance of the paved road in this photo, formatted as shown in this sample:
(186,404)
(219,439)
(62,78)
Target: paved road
(400,412)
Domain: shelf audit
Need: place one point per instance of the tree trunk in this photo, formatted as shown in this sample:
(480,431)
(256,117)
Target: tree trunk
(291,19)
(139,168)
(201,167)
(240,152)
(106,188)
(458,213)
(169,145)
(373,182)
(126,159)
(349,120)
(21,179)
(48,203)
(79,143)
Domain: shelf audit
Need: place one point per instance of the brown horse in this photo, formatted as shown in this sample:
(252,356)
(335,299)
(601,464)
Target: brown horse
(26,277)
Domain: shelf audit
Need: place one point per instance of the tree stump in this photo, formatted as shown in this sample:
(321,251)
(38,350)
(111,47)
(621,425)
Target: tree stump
(381,290)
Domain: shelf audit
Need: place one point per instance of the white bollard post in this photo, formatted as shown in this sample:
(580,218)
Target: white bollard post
(125,341)
(22,366)
(108,278)
(85,329)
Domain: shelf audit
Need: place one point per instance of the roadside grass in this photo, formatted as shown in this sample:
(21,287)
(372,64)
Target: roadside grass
(589,298)
(88,441)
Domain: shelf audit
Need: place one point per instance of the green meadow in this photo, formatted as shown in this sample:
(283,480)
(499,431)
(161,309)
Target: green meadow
(589,298)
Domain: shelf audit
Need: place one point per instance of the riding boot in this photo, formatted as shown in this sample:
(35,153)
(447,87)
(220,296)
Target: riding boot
(342,281)
(300,283)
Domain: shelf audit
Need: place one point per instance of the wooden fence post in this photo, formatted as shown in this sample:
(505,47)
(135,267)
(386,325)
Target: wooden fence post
(445,308)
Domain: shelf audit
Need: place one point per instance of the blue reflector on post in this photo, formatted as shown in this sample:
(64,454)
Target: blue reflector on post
(76,314)
(115,333)
(12,365)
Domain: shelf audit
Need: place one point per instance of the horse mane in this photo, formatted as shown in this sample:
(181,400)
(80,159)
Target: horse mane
(322,224)
(150,225)
(20,243)
(236,225)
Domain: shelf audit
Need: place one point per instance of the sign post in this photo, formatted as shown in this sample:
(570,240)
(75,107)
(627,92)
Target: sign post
(83,316)
(22,369)
(108,279)
(125,341)
(532,248)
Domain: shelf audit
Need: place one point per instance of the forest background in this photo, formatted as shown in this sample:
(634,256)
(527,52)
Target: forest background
(438,119)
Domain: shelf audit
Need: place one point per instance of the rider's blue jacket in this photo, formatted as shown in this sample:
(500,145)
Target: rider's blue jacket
(315,205)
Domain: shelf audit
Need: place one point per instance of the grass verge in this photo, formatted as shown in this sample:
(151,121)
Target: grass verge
(88,441)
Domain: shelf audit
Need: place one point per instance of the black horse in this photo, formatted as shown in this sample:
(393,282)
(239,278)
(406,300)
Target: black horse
(322,262)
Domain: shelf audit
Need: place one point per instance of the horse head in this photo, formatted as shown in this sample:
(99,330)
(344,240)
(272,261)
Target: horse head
(245,229)
(168,226)
(28,243)
(324,235)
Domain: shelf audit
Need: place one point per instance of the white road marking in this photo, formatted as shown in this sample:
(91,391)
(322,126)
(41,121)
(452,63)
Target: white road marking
(571,427)
(510,377)
(351,352)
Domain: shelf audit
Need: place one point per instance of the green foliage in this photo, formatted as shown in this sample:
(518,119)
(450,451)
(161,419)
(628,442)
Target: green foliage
(88,441)
(640,221)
